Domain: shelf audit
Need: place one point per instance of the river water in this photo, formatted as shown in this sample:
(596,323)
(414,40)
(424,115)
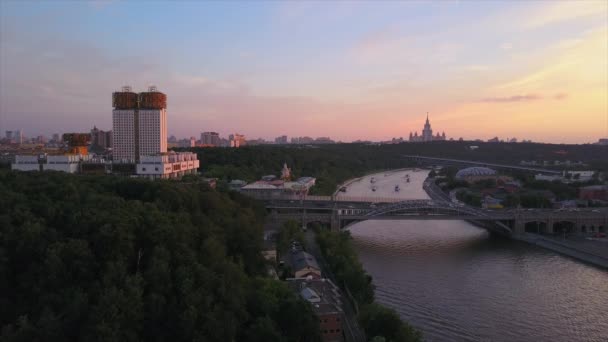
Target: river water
(455,282)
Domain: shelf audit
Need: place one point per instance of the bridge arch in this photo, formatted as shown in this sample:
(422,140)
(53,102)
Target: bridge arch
(536,227)
(564,227)
(316,223)
(425,207)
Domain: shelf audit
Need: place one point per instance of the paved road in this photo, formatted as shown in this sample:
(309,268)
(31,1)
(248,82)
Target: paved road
(597,246)
(351,327)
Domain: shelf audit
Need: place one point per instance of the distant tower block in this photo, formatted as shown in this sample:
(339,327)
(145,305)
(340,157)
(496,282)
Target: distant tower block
(152,122)
(139,124)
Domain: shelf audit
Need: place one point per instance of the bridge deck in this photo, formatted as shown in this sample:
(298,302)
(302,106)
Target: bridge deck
(477,163)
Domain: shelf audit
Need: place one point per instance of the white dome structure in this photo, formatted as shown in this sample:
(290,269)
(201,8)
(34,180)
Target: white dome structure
(474,172)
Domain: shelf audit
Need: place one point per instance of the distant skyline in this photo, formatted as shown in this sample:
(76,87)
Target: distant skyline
(348,70)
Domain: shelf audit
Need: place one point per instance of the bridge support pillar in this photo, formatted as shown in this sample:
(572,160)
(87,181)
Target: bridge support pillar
(549,229)
(335,225)
(519,227)
(335,222)
(304,219)
(577,227)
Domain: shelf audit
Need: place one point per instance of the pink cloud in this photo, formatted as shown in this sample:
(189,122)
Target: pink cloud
(514,98)
(560,96)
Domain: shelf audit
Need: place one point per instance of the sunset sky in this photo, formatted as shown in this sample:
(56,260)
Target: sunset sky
(348,70)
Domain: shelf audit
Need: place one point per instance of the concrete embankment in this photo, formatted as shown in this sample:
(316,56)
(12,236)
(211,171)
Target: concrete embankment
(565,248)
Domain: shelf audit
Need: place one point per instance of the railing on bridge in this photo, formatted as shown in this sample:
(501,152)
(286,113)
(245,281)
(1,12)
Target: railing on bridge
(368,199)
(293,197)
(479,163)
(426,205)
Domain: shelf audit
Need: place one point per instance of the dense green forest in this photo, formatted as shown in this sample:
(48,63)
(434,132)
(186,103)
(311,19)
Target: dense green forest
(334,164)
(376,320)
(99,258)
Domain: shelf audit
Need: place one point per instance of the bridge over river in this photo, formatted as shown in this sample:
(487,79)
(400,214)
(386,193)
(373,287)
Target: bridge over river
(466,163)
(340,212)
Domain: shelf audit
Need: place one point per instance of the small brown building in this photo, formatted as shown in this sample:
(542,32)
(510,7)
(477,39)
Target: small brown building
(304,265)
(324,297)
(594,192)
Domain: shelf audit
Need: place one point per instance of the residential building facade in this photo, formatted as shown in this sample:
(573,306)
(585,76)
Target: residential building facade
(210,139)
(167,165)
(139,124)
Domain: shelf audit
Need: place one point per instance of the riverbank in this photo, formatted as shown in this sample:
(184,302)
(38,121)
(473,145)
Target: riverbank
(375,319)
(454,282)
(594,256)
(592,252)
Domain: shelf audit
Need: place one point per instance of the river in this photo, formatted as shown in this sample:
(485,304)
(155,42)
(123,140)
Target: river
(455,282)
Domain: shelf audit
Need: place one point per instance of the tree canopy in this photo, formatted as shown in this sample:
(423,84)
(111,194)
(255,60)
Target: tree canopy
(99,258)
(334,164)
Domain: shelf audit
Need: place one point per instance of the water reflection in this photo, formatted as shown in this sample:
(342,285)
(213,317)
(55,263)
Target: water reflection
(455,282)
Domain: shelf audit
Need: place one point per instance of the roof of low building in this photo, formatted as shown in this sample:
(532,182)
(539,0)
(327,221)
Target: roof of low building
(269,177)
(301,260)
(474,171)
(322,294)
(259,185)
(595,187)
(305,179)
(310,295)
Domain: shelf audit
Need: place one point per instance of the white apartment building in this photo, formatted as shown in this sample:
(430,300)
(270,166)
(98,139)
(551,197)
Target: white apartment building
(152,131)
(139,124)
(69,163)
(26,163)
(167,165)
(123,135)
(65,163)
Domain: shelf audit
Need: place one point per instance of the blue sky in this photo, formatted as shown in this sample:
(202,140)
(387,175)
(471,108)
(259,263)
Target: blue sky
(350,70)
